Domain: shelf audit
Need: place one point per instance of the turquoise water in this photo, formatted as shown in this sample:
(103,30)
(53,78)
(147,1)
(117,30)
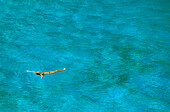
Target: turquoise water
(115,53)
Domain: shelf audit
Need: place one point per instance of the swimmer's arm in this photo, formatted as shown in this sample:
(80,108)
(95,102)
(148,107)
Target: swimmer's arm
(41,76)
(31,71)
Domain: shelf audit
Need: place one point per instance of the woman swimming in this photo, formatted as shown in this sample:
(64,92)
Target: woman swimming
(43,73)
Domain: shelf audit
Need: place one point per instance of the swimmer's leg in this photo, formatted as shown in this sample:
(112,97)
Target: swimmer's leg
(51,72)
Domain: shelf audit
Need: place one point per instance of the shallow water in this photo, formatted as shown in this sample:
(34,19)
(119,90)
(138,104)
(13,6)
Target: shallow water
(115,54)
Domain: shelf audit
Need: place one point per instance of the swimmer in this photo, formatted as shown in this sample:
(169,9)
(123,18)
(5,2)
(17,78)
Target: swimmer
(43,73)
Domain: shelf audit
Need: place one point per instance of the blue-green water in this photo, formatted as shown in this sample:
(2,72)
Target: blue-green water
(115,53)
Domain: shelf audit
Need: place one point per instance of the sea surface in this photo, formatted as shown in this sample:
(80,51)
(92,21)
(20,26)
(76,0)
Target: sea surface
(116,55)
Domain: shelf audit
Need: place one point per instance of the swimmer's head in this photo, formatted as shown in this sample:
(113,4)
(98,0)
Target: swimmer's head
(38,72)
